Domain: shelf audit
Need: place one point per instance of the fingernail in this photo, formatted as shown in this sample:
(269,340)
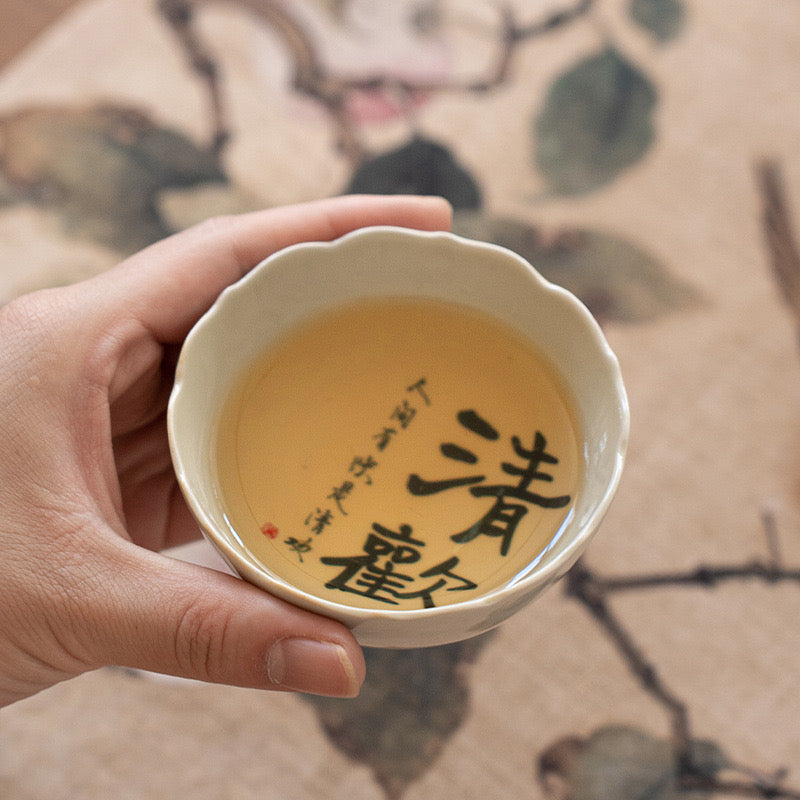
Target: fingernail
(308,665)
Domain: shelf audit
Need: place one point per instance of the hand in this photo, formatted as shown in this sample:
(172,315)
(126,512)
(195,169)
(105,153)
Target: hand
(87,492)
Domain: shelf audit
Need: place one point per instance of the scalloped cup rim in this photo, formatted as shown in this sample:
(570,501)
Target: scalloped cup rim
(386,627)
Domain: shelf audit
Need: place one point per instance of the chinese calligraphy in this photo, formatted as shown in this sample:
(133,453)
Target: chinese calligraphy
(399,412)
(391,567)
(318,520)
(361,467)
(374,573)
(385,569)
(339,493)
(299,547)
(502,519)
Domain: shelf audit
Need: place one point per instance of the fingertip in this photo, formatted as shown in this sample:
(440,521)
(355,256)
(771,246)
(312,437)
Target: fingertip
(441,211)
(315,667)
(428,212)
(436,201)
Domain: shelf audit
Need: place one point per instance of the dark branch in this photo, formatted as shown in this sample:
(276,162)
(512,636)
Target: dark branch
(583,586)
(779,235)
(554,21)
(701,783)
(704,576)
(178,14)
(593,592)
(771,571)
(311,78)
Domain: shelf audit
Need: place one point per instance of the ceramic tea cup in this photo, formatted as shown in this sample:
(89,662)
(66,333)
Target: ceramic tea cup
(413,433)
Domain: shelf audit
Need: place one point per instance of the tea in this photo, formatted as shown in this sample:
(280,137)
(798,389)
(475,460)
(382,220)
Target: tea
(399,454)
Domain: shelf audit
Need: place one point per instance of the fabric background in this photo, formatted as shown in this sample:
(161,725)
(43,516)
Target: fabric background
(644,153)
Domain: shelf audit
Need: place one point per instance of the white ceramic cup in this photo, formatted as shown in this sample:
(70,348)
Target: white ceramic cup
(303,280)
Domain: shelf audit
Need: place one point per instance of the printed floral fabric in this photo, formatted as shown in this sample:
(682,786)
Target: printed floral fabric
(645,154)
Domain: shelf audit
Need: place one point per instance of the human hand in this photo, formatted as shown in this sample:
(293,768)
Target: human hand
(87,492)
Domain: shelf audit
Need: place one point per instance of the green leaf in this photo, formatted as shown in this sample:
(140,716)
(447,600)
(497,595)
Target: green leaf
(419,167)
(707,758)
(662,18)
(620,763)
(624,763)
(596,122)
(102,168)
(411,703)
(616,279)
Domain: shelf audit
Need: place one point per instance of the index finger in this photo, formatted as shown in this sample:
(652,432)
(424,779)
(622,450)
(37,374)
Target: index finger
(169,285)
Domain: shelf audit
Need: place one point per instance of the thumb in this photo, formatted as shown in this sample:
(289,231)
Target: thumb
(168,616)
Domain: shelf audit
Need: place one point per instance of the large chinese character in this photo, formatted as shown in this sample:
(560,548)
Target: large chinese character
(504,516)
(363,574)
(373,572)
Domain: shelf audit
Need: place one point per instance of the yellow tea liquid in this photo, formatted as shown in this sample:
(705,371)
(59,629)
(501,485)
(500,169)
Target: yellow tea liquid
(399,454)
